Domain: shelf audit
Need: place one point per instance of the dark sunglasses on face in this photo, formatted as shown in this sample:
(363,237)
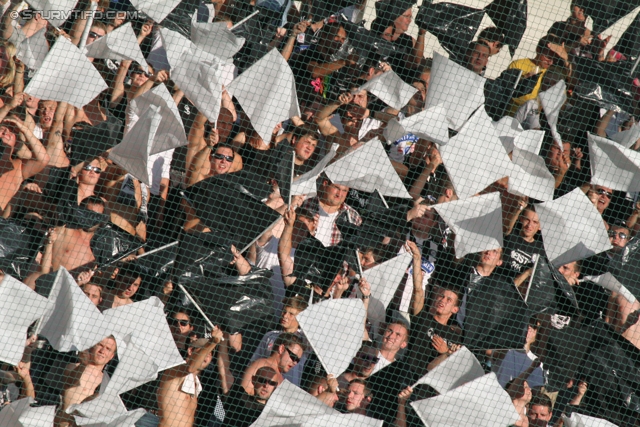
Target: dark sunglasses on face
(265,381)
(219,156)
(294,357)
(92,169)
(605,193)
(94,35)
(368,358)
(619,234)
(178,322)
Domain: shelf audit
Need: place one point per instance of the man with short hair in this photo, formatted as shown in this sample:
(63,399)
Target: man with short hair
(241,408)
(304,139)
(522,248)
(82,380)
(329,203)
(362,365)
(286,352)
(394,339)
(540,411)
(477,58)
(288,324)
(357,398)
(93,291)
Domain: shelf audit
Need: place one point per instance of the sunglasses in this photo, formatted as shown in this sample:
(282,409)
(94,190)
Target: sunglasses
(219,156)
(92,169)
(605,193)
(368,358)
(178,322)
(95,35)
(294,357)
(619,234)
(265,381)
(132,72)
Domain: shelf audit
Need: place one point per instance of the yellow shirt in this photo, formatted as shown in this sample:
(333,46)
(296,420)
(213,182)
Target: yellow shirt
(527,66)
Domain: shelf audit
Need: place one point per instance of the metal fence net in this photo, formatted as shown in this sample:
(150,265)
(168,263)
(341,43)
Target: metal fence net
(319,213)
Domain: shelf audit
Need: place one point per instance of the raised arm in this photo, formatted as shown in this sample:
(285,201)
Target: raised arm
(284,248)
(40,157)
(323,116)
(417,298)
(55,141)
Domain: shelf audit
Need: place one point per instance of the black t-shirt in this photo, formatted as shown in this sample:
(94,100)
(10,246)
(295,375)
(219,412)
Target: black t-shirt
(241,410)
(423,328)
(518,253)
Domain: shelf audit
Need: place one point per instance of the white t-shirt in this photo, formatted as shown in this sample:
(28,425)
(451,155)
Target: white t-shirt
(382,363)
(325,226)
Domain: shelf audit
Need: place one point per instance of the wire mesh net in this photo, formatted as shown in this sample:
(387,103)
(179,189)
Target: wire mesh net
(319,213)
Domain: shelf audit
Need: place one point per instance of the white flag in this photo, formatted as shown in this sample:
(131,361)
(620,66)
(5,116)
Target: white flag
(19,413)
(610,283)
(33,50)
(155,9)
(135,367)
(306,183)
(479,403)
(56,11)
(430,124)
(19,308)
(508,129)
(267,93)
(628,137)
(73,323)
(530,176)
(368,168)
(614,166)
(120,44)
(53,81)
(459,90)
(158,129)
(145,321)
(579,420)
(475,157)
(291,406)
(391,89)
(476,222)
(572,228)
(384,279)
(345,319)
(530,140)
(456,370)
(552,101)
(196,72)
(215,38)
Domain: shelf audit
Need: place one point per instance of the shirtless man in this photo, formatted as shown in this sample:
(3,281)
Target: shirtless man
(285,354)
(180,386)
(14,171)
(82,380)
(71,247)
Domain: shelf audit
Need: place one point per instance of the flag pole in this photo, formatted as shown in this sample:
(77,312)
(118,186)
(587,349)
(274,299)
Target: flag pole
(195,304)
(533,272)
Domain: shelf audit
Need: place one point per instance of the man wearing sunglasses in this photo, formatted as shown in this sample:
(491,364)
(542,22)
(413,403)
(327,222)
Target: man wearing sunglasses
(180,326)
(286,352)
(242,409)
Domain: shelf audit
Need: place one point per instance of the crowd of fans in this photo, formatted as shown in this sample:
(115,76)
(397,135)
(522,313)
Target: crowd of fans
(230,373)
